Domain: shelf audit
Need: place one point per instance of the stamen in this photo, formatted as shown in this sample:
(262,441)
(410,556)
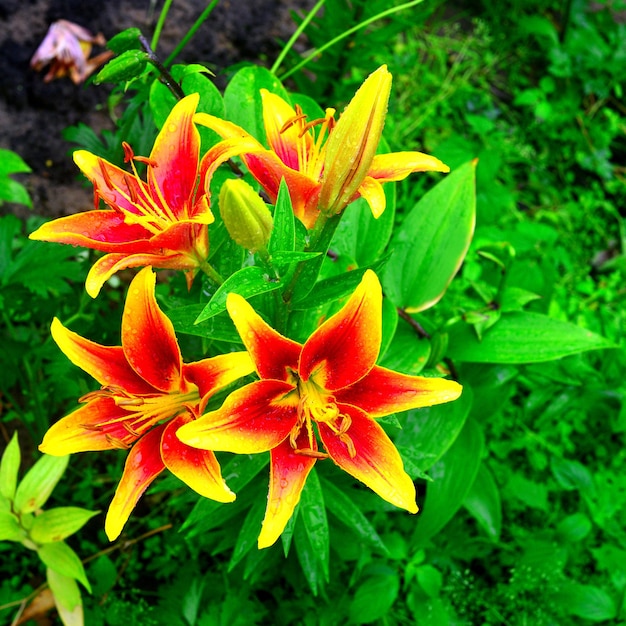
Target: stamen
(131,190)
(312,453)
(129,155)
(291,121)
(130,429)
(117,443)
(105,174)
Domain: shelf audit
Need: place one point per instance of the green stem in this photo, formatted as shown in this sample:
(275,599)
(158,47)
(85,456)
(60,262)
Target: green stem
(166,77)
(191,32)
(294,37)
(347,33)
(160,22)
(208,269)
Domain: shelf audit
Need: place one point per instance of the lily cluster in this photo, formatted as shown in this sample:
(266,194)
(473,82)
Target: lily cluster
(311,401)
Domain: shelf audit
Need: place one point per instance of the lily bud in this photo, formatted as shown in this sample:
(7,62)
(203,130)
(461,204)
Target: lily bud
(352,144)
(245,215)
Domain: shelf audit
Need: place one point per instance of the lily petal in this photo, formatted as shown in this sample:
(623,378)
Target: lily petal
(99,230)
(143,465)
(198,469)
(176,150)
(286,144)
(384,391)
(345,347)
(212,374)
(273,354)
(82,430)
(255,418)
(398,165)
(372,191)
(376,462)
(107,364)
(288,473)
(148,336)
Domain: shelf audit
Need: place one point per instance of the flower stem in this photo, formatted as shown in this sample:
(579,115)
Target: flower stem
(209,270)
(166,77)
(160,22)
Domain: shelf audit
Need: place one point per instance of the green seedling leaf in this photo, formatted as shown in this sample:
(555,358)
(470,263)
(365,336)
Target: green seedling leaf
(66,597)
(374,597)
(219,327)
(344,509)
(9,467)
(247,282)
(429,432)
(574,527)
(125,67)
(62,559)
(126,40)
(483,502)
(452,478)
(10,529)
(11,190)
(57,524)
(430,244)
(39,483)
(522,337)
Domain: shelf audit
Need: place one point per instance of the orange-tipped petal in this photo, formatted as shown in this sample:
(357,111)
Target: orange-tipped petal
(212,374)
(288,473)
(345,347)
(383,391)
(99,230)
(107,364)
(82,430)
(398,165)
(143,465)
(176,154)
(287,144)
(198,469)
(148,336)
(255,418)
(376,461)
(273,354)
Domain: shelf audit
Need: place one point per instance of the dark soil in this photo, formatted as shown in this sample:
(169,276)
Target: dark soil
(33,114)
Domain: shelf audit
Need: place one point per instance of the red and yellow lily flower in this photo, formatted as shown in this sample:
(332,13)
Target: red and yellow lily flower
(147,394)
(161,221)
(327,171)
(329,388)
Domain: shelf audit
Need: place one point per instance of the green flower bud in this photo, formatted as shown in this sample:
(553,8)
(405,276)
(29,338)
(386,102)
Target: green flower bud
(247,219)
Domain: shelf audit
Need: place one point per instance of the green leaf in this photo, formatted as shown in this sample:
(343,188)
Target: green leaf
(312,516)
(429,432)
(125,67)
(220,327)
(242,98)
(39,482)
(66,597)
(247,282)
(374,597)
(585,601)
(126,40)
(483,502)
(249,533)
(453,476)
(10,529)
(57,524)
(283,237)
(572,475)
(430,580)
(408,353)
(362,237)
(12,163)
(9,467)
(62,559)
(522,337)
(430,244)
(344,509)
(574,527)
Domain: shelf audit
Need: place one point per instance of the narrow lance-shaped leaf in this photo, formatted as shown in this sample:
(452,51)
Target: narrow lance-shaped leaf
(62,559)
(9,467)
(430,244)
(66,597)
(39,483)
(522,337)
(57,524)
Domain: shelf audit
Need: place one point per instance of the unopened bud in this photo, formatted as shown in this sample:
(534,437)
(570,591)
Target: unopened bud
(245,215)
